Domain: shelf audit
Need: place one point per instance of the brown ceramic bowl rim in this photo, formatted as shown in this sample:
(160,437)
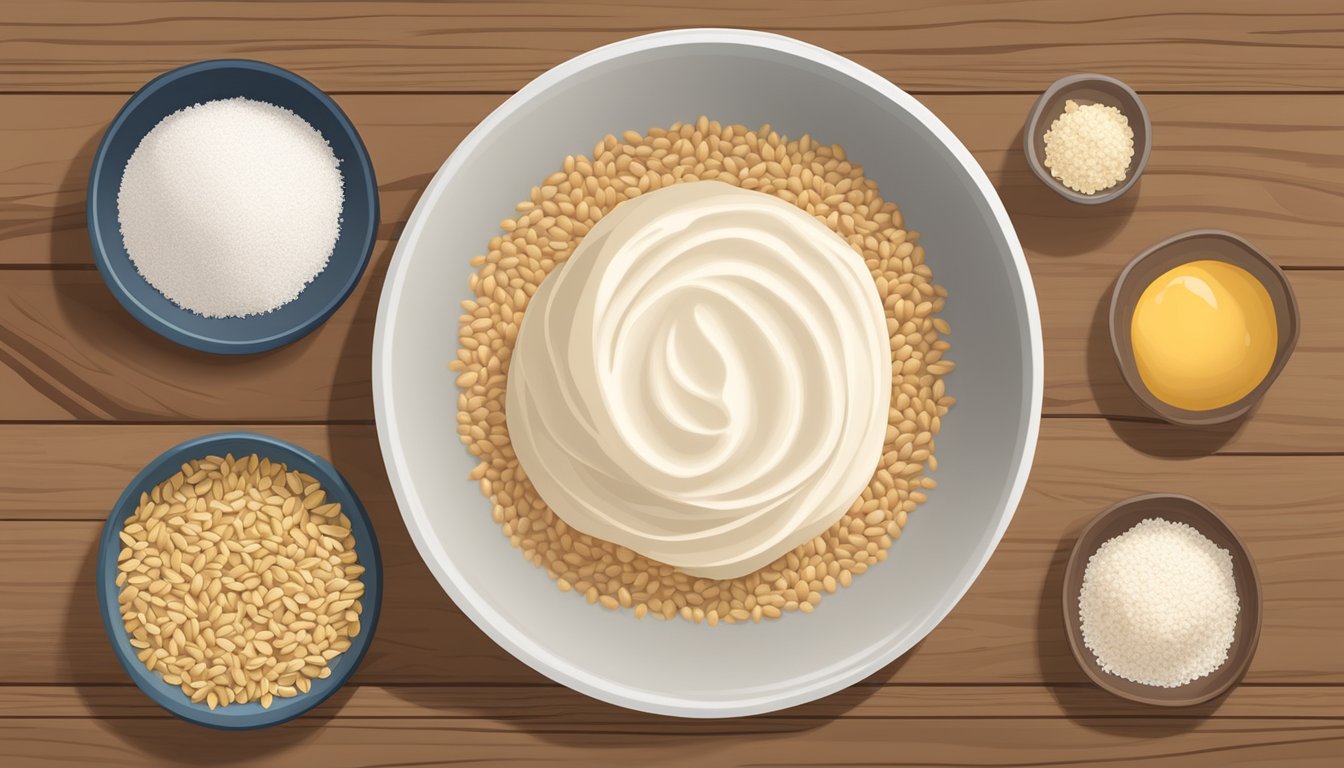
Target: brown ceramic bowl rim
(1231,675)
(1037,164)
(1232,410)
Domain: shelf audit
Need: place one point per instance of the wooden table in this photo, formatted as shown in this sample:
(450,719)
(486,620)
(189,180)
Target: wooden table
(1247,102)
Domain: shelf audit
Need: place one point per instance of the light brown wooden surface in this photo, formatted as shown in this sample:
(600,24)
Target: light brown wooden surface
(1247,102)
(556,705)
(1006,630)
(72,354)
(1266,166)
(1273,175)
(960,45)
(482,740)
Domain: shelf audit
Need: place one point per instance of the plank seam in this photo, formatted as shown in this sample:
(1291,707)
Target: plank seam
(803,718)
(865,685)
(912,92)
(91,267)
(185,423)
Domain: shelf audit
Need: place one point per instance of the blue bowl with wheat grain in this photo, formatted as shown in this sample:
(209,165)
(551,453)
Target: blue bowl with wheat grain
(225,79)
(251,715)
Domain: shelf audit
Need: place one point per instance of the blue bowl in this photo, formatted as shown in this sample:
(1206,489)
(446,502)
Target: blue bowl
(250,715)
(223,79)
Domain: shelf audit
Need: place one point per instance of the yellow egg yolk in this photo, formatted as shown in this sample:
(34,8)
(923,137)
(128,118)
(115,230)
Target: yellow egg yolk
(1204,335)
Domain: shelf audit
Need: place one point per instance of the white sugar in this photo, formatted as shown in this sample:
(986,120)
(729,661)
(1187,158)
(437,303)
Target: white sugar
(230,208)
(1159,605)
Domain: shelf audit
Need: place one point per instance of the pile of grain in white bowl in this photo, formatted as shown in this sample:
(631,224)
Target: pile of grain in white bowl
(561,209)
(239,581)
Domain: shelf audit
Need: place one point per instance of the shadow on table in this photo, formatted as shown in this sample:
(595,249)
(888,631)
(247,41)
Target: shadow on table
(1049,225)
(1147,433)
(1085,703)
(100,323)
(567,719)
(69,222)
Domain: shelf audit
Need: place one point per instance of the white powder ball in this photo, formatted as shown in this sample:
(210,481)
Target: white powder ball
(1088,148)
(1159,605)
(230,208)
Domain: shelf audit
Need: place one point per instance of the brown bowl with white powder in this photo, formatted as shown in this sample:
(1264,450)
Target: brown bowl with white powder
(1158,587)
(1088,138)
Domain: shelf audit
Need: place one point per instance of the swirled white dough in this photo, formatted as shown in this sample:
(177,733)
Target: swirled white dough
(705,381)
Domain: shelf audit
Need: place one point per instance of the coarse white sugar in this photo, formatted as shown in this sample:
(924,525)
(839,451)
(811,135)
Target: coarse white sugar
(1089,147)
(1159,605)
(230,208)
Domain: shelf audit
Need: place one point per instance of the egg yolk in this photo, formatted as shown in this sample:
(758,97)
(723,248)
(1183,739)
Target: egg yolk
(1204,335)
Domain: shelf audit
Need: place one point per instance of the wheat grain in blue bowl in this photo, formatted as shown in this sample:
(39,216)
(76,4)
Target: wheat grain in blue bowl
(239,580)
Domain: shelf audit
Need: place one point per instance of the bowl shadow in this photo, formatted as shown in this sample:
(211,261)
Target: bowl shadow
(1049,225)
(567,719)
(69,234)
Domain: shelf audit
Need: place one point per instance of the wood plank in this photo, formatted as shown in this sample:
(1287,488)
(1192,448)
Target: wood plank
(71,353)
(993,685)
(1006,630)
(475,46)
(480,740)
(1267,167)
(554,704)
(68,352)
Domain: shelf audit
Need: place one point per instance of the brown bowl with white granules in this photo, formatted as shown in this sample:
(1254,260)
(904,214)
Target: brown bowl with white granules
(1082,111)
(1123,517)
(239,580)
(562,209)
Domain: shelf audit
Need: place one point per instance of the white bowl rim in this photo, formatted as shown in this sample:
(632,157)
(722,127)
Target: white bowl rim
(414,512)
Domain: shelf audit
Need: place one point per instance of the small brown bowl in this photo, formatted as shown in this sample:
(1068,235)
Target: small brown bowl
(1177,509)
(1087,89)
(1198,245)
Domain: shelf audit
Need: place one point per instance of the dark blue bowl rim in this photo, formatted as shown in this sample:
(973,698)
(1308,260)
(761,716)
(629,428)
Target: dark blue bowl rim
(165,327)
(109,546)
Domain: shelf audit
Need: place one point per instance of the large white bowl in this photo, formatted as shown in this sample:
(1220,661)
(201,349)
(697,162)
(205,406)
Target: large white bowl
(984,450)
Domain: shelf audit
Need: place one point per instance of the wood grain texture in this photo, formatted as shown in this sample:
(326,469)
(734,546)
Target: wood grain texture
(555,705)
(962,45)
(68,352)
(480,740)
(1267,167)
(1006,630)
(1245,98)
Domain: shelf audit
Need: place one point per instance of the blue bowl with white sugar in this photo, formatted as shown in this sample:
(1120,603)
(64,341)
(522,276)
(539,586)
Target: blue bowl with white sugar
(248,206)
